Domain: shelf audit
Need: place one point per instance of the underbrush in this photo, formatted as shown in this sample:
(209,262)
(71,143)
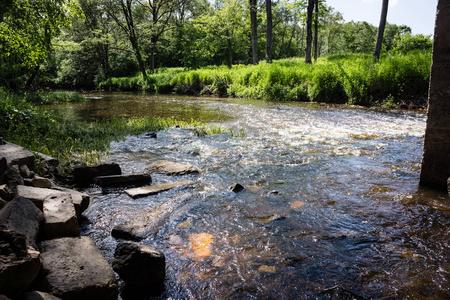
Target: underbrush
(396,80)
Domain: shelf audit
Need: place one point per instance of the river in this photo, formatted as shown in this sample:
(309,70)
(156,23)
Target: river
(331,207)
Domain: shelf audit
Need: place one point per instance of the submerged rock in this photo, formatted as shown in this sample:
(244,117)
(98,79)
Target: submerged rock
(140,265)
(236,188)
(19,263)
(75,269)
(171,168)
(22,216)
(155,189)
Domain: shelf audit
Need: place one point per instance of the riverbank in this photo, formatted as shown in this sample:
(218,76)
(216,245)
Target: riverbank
(395,81)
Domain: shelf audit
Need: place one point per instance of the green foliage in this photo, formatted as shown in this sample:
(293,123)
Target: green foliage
(407,42)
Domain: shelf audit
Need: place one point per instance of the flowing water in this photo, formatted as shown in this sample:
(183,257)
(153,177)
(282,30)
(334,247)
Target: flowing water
(331,207)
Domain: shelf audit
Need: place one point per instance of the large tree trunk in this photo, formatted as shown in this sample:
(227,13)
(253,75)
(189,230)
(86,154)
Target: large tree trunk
(316,29)
(254,27)
(230,50)
(269,31)
(436,152)
(309,18)
(384,10)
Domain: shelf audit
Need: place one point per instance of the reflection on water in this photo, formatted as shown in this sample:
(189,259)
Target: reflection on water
(331,209)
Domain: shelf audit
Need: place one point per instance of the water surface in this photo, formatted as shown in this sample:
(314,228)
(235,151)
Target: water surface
(332,207)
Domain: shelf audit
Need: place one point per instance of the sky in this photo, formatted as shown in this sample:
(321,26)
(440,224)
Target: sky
(417,14)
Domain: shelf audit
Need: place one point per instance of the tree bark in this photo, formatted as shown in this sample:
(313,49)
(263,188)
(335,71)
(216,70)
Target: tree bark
(254,27)
(384,10)
(316,29)
(230,50)
(436,152)
(309,17)
(269,31)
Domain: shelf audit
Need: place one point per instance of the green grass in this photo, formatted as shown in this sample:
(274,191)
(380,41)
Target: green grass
(344,78)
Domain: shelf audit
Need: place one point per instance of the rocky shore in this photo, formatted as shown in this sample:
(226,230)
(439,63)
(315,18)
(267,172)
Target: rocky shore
(43,256)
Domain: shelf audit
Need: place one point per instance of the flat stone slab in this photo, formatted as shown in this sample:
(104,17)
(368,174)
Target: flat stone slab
(155,189)
(171,168)
(84,175)
(17,155)
(60,216)
(121,180)
(37,195)
(75,269)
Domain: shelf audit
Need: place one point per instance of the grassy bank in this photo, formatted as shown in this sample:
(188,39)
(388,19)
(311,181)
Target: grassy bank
(349,78)
(24,124)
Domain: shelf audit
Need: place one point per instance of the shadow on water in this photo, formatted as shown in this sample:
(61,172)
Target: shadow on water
(331,207)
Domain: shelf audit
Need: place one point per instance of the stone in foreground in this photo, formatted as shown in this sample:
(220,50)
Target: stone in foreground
(155,189)
(121,180)
(75,269)
(171,168)
(36,295)
(19,263)
(22,216)
(140,265)
(84,175)
(17,155)
(60,216)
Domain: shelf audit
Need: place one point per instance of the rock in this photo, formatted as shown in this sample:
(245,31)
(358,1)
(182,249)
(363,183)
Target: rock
(121,180)
(85,175)
(22,216)
(2,203)
(5,192)
(37,195)
(3,165)
(155,189)
(47,160)
(39,296)
(140,265)
(147,223)
(75,269)
(236,188)
(171,168)
(60,216)
(17,155)
(19,263)
(41,182)
(25,171)
(151,135)
(13,177)
(448,185)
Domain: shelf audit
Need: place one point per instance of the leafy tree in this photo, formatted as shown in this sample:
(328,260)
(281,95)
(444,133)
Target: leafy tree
(253,7)
(269,31)
(381,27)
(309,18)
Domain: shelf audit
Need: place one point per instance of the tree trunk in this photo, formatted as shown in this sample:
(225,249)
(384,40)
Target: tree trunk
(384,10)
(269,31)
(152,54)
(230,50)
(436,152)
(316,29)
(254,27)
(309,31)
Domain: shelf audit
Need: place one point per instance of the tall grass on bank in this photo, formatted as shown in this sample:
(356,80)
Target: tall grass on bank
(26,125)
(345,78)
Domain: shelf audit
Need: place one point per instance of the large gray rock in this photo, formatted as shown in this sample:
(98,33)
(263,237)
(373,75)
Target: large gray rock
(2,203)
(41,182)
(121,180)
(84,175)
(12,177)
(60,216)
(75,269)
(17,155)
(37,195)
(155,189)
(19,263)
(22,216)
(140,265)
(171,168)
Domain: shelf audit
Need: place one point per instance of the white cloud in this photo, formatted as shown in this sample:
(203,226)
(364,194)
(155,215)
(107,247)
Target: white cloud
(393,3)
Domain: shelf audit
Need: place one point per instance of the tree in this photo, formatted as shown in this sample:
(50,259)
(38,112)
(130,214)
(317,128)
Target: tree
(384,10)
(121,11)
(269,31)
(254,27)
(316,29)
(27,29)
(309,18)
(436,151)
